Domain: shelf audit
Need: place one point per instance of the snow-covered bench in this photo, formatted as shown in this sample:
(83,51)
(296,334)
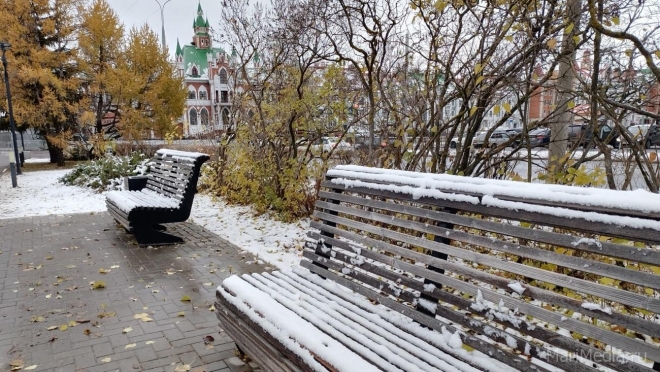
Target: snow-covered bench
(420,272)
(164,195)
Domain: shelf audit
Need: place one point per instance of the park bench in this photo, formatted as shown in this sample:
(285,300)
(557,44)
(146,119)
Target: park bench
(424,272)
(164,195)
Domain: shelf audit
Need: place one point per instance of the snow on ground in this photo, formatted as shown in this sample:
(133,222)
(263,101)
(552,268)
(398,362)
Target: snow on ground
(275,242)
(39,193)
(38,160)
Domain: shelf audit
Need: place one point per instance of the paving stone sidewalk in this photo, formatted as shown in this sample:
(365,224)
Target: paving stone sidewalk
(47,265)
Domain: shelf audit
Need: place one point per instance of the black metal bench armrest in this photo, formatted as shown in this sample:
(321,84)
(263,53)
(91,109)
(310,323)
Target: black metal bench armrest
(135,183)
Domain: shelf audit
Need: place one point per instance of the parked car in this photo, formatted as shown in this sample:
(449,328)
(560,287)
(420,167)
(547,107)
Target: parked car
(539,137)
(652,137)
(497,137)
(513,132)
(637,133)
(583,135)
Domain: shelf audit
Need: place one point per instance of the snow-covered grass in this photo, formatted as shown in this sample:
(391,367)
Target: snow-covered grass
(40,193)
(274,242)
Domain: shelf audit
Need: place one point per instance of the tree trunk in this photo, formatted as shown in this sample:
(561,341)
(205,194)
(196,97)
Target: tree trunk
(56,154)
(565,91)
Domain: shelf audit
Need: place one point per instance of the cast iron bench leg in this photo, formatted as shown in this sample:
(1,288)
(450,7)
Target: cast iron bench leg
(154,235)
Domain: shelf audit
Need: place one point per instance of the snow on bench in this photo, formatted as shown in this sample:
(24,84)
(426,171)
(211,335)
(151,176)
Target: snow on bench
(419,272)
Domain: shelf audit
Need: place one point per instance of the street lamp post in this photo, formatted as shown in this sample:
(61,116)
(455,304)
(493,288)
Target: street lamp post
(162,20)
(4,47)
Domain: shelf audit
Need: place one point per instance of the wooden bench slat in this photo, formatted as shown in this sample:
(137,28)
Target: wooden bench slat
(141,200)
(162,176)
(118,215)
(477,325)
(435,324)
(308,340)
(537,332)
(147,200)
(164,190)
(376,176)
(626,252)
(178,169)
(174,158)
(586,265)
(384,354)
(521,325)
(350,309)
(599,290)
(184,168)
(552,317)
(245,334)
(642,234)
(170,175)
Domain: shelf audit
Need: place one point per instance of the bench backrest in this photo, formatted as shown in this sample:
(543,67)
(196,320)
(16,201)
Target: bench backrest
(175,173)
(556,273)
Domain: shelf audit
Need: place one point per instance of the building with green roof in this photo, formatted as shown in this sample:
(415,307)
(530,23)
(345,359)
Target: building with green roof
(206,72)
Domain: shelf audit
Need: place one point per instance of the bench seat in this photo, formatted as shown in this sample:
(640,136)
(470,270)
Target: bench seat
(326,325)
(143,200)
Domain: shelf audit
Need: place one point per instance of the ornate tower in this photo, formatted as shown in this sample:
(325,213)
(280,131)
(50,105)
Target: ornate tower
(202,40)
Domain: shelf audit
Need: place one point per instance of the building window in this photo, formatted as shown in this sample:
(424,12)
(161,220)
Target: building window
(204,115)
(191,93)
(193,116)
(195,72)
(224,96)
(225,118)
(202,94)
(223,76)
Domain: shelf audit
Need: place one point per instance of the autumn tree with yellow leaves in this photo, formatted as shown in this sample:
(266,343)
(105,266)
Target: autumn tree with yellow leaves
(151,95)
(100,44)
(71,63)
(44,68)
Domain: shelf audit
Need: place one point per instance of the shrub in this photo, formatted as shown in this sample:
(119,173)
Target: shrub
(251,175)
(107,173)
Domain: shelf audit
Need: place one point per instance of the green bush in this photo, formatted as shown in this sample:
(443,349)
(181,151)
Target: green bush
(107,173)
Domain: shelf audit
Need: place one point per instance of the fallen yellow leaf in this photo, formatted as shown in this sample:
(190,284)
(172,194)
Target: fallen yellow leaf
(143,317)
(98,284)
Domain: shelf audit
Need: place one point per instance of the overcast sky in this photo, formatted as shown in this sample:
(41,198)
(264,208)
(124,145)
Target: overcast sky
(179,16)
